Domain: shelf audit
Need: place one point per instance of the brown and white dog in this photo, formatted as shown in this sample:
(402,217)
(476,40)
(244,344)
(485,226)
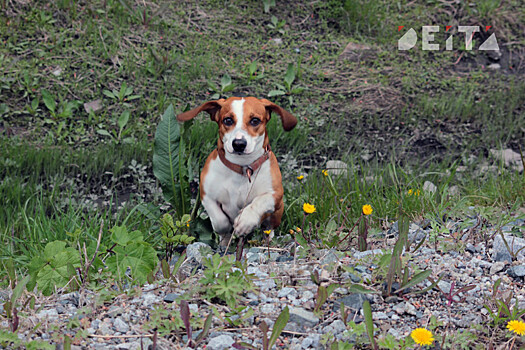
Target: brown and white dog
(240,183)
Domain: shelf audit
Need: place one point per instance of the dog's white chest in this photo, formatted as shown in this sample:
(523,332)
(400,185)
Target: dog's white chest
(233,191)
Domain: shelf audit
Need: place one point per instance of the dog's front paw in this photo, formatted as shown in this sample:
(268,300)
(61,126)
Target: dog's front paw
(245,222)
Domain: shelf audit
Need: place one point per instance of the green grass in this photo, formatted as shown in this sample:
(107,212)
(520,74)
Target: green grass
(386,104)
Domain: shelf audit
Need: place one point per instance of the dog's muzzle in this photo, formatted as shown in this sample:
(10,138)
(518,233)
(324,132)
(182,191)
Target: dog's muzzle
(239,145)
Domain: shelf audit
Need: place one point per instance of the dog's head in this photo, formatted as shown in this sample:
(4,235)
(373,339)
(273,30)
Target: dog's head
(242,123)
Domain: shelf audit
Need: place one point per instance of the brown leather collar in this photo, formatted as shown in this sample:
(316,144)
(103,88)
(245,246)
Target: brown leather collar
(246,170)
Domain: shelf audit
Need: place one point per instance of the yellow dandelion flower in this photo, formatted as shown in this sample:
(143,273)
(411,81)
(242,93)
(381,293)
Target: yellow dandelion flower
(298,229)
(292,232)
(517,327)
(308,208)
(417,193)
(300,177)
(267,231)
(410,192)
(422,336)
(367,209)
(325,172)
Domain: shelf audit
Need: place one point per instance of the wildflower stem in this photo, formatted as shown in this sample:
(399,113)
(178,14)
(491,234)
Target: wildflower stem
(302,229)
(512,344)
(351,230)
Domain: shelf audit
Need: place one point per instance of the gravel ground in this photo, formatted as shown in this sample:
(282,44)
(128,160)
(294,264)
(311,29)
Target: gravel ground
(122,321)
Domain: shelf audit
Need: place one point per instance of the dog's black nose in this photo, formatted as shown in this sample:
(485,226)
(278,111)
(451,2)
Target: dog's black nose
(239,145)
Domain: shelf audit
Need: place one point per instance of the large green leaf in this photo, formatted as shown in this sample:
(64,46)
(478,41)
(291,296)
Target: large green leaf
(420,277)
(49,100)
(290,76)
(121,236)
(369,323)
(54,267)
(169,162)
(279,325)
(140,257)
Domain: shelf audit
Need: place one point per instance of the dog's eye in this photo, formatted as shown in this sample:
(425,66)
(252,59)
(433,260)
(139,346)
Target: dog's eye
(255,121)
(228,121)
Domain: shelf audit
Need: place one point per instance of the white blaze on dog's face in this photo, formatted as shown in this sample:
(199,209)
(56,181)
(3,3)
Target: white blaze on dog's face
(242,130)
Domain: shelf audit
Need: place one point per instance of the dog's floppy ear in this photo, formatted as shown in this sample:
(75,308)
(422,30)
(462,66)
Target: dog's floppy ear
(288,120)
(212,107)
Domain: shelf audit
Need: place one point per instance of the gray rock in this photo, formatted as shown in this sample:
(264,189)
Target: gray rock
(267,308)
(128,346)
(273,256)
(93,106)
(497,267)
(380,316)
(284,258)
(395,333)
(354,301)
(500,251)
(467,321)
(312,341)
(60,309)
(410,309)
(361,255)
(105,328)
(198,251)
(115,310)
(150,299)
(444,286)
(405,308)
(303,317)
(307,295)
(354,278)
(170,297)
(48,314)
(399,308)
(516,271)
(294,327)
(286,291)
(336,167)
(327,330)
(329,258)
(393,230)
(481,263)
(338,326)
(256,258)
(470,248)
(415,233)
(509,157)
(221,342)
(120,325)
(429,187)
(194,308)
(264,282)
(70,298)
(95,323)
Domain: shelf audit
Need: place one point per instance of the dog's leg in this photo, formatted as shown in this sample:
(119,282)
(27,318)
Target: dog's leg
(250,217)
(219,220)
